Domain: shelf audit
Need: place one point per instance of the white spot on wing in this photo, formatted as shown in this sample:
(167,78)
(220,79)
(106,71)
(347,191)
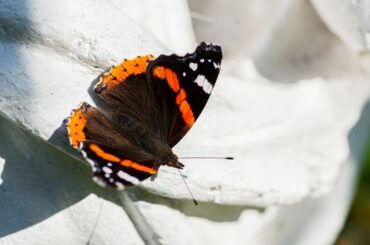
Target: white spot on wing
(69,134)
(184,74)
(217,66)
(200,80)
(207,86)
(193,66)
(107,170)
(99,181)
(128,177)
(83,152)
(81,147)
(201,60)
(91,162)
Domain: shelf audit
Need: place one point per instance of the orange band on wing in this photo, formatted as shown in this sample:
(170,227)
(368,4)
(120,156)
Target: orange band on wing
(172,80)
(106,156)
(168,75)
(187,113)
(160,72)
(142,168)
(181,96)
(75,126)
(126,163)
(118,74)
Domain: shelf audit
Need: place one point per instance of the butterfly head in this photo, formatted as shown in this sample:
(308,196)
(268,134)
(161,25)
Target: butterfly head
(174,162)
(171,160)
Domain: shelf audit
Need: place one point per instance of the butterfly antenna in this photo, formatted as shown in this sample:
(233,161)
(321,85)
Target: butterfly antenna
(186,184)
(218,158)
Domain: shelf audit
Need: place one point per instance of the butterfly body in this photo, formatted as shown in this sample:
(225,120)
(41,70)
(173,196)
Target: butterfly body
(150,104)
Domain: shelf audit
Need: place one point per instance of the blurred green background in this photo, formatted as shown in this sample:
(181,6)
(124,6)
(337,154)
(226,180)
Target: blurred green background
(357,227)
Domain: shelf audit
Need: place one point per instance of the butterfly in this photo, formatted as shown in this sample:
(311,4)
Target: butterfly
(149,105)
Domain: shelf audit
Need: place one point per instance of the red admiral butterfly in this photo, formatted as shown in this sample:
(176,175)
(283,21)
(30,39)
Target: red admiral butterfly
(150,105)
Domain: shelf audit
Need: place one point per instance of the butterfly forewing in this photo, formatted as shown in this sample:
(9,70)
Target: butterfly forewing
(190,79)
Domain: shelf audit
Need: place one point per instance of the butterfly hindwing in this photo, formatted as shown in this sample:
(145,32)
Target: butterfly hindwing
(113,170)
(107,151)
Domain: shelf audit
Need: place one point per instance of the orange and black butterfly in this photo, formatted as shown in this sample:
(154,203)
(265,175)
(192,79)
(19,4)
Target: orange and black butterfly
(150,104)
